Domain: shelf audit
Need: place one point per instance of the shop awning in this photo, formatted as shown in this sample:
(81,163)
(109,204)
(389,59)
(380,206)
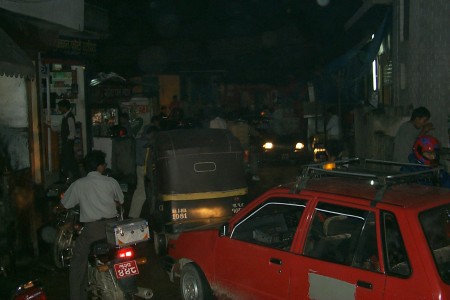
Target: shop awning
(13,60)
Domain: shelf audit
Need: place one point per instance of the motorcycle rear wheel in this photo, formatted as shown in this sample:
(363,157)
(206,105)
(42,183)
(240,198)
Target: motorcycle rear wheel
(102,286)
(62,248)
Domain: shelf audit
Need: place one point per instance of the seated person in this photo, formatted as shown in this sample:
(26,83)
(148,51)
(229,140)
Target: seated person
(426,152)
(334,149)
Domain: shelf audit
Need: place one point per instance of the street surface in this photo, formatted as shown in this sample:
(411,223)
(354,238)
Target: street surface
(152,275)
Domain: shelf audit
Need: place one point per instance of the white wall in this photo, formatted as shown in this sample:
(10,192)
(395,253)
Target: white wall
(14,122)
(13,102)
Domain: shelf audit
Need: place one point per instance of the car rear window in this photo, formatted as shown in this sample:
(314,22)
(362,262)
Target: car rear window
(436,226)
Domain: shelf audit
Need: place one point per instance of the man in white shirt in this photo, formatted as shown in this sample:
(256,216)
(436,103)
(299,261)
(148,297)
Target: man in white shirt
(98,197)
(218,122)
(333,128)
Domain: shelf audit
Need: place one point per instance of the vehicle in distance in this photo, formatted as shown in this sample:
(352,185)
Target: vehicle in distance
(357,235)
(283,148)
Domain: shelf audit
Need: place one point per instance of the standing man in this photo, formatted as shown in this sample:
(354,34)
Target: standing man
(98,197)
(69,165)
(333,127)
(408,132)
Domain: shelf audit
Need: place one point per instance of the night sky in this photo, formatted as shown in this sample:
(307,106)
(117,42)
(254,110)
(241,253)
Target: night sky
(253,40)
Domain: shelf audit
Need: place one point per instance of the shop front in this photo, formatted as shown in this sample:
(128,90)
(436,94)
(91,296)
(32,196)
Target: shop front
(63,72)
(117,116)
(60,80)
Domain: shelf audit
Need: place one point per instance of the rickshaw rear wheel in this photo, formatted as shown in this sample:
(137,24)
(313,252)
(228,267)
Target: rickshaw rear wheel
(160,243)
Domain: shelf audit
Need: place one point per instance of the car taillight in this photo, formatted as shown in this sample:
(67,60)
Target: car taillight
(125,253)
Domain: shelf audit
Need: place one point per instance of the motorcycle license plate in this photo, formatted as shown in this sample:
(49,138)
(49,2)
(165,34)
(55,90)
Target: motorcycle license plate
(126,269)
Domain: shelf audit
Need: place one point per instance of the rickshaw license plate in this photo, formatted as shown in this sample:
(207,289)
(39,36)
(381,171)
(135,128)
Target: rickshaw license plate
(126,269)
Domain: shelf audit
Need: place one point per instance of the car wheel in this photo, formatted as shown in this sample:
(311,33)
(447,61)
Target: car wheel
(193,284)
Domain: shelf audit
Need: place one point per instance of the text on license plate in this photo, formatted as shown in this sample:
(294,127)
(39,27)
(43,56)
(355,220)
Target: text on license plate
(125,269)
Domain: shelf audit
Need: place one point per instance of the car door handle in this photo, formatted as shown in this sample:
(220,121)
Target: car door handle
(364,284)
(276,261)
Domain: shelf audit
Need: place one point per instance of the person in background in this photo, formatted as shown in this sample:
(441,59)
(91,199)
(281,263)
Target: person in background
(98,197)
(174,105)
(125,126)
(409,131)
(176,119)
(425,151)
(334,149)
(254,151)
(250,139)
(217,122)
(139,195)
(163,116)
(333,127)
(163,112)
(69,165)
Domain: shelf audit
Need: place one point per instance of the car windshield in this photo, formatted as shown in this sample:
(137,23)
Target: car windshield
(436,226)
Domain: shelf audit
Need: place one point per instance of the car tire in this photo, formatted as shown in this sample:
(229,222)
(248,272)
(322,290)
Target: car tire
(193,284)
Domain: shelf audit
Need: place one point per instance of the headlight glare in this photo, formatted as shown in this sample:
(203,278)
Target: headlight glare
(299,146)
(268,146)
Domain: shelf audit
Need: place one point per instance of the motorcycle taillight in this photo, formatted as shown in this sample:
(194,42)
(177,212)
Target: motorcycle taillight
(125,253)
(30,293)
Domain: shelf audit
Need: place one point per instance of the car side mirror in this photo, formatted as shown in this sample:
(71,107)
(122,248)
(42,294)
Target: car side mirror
(224,230)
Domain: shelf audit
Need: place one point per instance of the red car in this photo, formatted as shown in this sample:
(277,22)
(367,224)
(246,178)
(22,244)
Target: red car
(351,234)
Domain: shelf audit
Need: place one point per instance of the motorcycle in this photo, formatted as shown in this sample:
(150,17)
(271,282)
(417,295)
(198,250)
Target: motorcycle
(31,290)
(69,228)
(112,268)
(62,227)
(67,225)
(112,273)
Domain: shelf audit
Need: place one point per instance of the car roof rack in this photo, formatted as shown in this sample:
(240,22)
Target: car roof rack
(381,173)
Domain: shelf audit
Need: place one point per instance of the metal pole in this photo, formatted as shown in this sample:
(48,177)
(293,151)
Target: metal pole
(49,121)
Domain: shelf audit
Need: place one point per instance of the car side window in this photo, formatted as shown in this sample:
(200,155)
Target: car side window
(343,235)
(273,224)
(396,258)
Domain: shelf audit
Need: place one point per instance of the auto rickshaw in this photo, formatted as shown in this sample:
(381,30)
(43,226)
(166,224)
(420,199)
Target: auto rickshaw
(195,178)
